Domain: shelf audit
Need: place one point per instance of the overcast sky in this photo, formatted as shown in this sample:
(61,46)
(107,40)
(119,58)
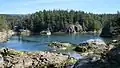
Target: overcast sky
(31,6)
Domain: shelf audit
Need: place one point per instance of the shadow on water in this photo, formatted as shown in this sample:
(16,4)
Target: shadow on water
(31,39)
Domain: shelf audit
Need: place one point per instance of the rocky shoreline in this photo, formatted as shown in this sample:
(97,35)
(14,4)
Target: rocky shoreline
(5,35)
(91,51)
(108,59)
(95,53)
(10,58)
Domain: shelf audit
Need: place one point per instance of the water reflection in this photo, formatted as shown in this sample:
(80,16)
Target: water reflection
(40,42)
(48,37)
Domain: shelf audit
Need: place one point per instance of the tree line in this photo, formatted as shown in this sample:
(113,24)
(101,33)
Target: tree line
(57,20)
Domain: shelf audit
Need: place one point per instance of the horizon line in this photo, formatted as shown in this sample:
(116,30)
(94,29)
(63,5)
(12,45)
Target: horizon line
(59,9)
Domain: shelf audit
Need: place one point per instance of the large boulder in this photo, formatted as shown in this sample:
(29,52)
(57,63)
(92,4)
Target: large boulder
(5,34)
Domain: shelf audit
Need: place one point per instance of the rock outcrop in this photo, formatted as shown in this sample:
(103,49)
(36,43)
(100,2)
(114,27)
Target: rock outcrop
(74,28)
(78,28)
(94,46)
(60,45)
(10,58)
(93,51)
(71,29)
(5,35)
(108,59)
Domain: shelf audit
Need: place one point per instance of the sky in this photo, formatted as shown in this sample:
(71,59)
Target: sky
(31,6)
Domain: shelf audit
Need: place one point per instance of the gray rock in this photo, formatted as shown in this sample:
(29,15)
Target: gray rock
(74,28)
(17,59)
(78,28)
(85,63)
(60,45)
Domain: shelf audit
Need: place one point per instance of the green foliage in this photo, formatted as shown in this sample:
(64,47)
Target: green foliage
(96,25)
(58,20)
(3,24)
(111,27)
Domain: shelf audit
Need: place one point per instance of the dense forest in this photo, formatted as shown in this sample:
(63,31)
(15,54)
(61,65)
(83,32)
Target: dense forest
(58,20)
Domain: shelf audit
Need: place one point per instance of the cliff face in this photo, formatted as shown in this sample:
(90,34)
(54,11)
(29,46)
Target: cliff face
(74,28)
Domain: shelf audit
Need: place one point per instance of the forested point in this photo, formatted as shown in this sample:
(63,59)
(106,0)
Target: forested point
(59,20)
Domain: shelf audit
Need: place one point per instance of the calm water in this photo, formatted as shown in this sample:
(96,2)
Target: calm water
(40,42)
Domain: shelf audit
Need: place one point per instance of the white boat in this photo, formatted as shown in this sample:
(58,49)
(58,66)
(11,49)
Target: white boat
(48,33)
(45,33)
